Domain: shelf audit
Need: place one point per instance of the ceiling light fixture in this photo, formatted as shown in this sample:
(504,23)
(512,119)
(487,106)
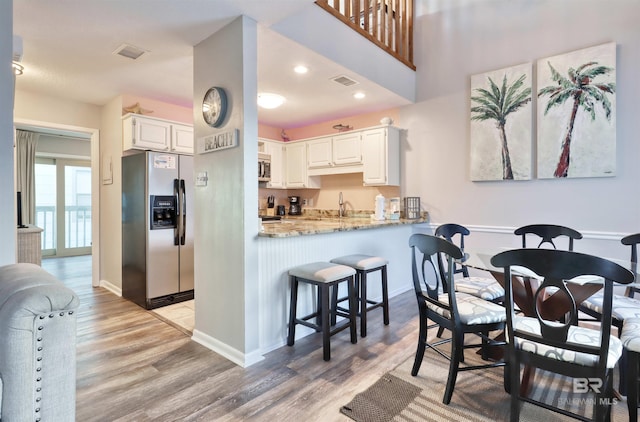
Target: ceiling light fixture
(269,100)
(359,95)
(17,68)
(301,69)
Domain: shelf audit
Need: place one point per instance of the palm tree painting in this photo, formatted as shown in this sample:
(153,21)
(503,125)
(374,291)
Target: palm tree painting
(500,128)
(576,114)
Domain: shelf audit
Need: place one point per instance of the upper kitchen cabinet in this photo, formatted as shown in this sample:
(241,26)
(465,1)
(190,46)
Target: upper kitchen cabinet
(325,155)
(381,156)
(296,166)
(276,150)
(181,138)
(150,133)
(319,153)
(347,149)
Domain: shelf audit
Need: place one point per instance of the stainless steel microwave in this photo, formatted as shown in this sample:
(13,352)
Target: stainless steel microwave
(264,167)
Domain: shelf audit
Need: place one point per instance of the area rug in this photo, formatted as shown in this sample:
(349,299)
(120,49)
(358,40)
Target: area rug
(478,396)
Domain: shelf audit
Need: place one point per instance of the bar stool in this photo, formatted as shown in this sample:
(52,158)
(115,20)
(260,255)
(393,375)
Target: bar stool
(324,276)
(364,264)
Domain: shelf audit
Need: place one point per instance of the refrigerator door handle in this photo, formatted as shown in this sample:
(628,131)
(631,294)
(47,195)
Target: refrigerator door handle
(176,228)
(183,211)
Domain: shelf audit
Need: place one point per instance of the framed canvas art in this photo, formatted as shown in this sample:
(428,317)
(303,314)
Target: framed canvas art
(500,124)
(576,113)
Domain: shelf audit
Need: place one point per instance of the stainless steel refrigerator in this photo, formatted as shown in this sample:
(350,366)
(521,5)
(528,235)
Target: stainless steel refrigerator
(157,228)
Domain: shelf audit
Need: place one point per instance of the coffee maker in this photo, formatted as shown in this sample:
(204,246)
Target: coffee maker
(294,205)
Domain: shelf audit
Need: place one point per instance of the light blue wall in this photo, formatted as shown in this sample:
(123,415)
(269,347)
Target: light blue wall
(226,213)
(456,43)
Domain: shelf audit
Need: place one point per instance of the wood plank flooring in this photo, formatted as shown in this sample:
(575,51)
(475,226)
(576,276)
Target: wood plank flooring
(132,366)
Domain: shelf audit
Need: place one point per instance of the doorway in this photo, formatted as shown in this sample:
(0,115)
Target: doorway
(94,136)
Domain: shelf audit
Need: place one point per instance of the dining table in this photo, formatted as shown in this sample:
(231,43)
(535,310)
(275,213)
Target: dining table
(551,306)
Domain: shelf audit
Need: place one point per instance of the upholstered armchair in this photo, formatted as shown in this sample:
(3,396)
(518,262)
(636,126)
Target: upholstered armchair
(37,346)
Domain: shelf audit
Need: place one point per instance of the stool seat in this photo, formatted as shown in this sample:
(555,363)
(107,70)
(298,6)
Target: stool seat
(361,262)
(322,272)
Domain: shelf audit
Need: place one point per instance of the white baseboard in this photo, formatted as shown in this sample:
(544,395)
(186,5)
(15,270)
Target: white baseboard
(223,349)
(111,287)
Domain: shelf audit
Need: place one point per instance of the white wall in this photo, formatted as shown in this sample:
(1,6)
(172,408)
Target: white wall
(453,45)
(226,210)
(7,188)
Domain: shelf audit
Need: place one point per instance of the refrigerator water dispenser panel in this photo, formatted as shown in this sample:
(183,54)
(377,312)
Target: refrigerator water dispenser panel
(163,212)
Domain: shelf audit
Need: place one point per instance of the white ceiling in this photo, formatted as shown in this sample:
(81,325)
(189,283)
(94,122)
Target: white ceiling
(69,45)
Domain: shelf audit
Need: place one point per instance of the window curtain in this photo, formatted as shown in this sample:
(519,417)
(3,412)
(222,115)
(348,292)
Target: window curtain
(26,143)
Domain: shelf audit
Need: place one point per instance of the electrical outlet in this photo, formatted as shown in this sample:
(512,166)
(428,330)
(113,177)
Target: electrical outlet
(304,201)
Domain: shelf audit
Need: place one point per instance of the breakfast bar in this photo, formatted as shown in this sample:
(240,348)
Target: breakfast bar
(291,242)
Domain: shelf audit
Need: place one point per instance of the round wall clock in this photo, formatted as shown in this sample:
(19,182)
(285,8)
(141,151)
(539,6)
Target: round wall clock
(214,106)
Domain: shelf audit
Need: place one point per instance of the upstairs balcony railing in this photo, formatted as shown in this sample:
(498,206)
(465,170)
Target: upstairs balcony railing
(386,23)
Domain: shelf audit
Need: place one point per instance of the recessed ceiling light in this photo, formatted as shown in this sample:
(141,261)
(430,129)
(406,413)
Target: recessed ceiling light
(301,69)
(358,95)
(269,100)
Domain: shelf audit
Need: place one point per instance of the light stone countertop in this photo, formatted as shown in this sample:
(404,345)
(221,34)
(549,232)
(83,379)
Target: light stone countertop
(301,226)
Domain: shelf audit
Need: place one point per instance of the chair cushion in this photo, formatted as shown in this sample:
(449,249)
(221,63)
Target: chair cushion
(484,288)
(361,262)
(323,272)
(471,309)
(577,335)
(630,336)
(622,308)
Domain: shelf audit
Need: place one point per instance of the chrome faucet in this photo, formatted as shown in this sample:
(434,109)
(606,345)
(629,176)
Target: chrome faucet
(340,206)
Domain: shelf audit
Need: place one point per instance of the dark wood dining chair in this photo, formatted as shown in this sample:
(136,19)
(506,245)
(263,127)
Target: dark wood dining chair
(623,307)
(548,233)
(486,288)
(581,353)
(458,312)
(630,338)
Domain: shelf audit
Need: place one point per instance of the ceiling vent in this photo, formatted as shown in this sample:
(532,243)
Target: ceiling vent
(129,51)
(343,80)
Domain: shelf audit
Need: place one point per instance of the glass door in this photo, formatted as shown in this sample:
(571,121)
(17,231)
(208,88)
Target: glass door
(64,185)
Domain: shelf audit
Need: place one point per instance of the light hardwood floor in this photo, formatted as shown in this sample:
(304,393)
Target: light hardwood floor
(132,366)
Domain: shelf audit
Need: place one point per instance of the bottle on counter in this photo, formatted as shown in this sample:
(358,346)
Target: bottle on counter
(379,208)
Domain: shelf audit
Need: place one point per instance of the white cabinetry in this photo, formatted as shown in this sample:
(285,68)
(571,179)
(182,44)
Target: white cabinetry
(347,149)
(381,156)
(296,166)
(181,138)
(276,150)
(319,153)
(143,132)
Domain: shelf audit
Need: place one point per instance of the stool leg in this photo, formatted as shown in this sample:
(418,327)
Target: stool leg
(334,304)
(292,311)
(353,304)
(324,316)
(385,296)
(319,311)
(362,277)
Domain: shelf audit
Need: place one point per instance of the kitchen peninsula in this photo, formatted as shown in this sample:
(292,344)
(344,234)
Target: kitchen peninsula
(295,241)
